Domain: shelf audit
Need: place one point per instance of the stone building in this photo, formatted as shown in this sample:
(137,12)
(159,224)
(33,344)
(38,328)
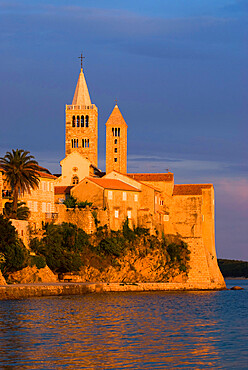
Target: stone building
(40,201)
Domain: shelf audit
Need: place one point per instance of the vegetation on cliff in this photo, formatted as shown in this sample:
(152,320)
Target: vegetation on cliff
(233,268)
(13,254)
(107,254)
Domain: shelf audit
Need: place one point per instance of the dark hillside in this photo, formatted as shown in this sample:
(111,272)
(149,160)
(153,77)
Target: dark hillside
(233,268)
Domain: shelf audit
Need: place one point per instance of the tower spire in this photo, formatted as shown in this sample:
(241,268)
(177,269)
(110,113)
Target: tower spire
(81,95)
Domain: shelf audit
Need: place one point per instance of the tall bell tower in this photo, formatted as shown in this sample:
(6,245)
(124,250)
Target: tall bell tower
(81,127)
(116,142)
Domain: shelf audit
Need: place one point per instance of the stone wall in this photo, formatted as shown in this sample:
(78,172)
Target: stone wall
(83,218)
(22,228)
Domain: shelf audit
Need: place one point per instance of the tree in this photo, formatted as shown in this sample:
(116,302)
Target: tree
(13,254)
(21,171)
(22,212)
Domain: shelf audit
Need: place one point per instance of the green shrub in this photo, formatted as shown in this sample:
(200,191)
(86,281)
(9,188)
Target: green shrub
(61,246)
(38,261)
(14,255)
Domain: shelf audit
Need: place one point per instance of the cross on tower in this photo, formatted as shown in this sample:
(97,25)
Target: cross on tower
(81,57)
(115,101)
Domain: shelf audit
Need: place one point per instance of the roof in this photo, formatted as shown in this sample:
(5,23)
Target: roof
(42,172)
(62,189)
(81,95)
(112,184)
(151,176)
(46,175)
(190,189)
(116,117)
(150,186)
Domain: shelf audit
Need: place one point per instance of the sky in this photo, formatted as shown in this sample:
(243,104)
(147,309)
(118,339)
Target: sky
(178,70)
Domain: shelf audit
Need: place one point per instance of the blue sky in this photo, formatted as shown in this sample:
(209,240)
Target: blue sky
(177,68)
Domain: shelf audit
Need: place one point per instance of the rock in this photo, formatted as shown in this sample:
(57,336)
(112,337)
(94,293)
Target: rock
(32,275)
(2,280)
(237,288)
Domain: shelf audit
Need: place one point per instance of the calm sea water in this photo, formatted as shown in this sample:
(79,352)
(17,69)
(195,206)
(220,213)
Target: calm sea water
(158,330)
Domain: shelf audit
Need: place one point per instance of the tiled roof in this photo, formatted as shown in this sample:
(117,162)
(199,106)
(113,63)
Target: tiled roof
(46,175)
(112,184)
(43,172)
(151,176)
(116,117)
(150,186)
(62,189)
(190,189)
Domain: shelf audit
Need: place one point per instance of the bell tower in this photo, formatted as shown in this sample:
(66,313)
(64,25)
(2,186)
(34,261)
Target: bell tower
(116,142)
(81,127)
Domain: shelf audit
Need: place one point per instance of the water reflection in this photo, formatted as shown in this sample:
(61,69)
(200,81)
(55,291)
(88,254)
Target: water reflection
(123,330)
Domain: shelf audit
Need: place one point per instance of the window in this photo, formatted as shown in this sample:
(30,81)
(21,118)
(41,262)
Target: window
(136,197)
(116,213)
(74,143)
(35,206)
(129,214)
(124,195)
(166,217)
(115,141)
(85,143)
(115,159)
(48,186)
(51,186)
(116,131)
(161,202)
(156,199)
(75,180)
(115,150)
(82,121)
(87,121)
(44,186)
(44,207)
(29,204)
(110,194)
(73,121)
(77,121)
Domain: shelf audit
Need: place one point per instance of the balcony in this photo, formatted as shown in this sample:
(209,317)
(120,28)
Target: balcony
(7,194)
(78,107)
(51,216)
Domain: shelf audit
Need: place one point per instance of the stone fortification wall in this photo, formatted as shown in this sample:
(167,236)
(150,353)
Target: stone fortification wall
(83,218)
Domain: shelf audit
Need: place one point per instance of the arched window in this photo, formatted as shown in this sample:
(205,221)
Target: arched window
(85,143)
(82,121)
(115,141)
(87,121)
(116,131)
(75,180)
(73,121)
(78,121)
(74,143)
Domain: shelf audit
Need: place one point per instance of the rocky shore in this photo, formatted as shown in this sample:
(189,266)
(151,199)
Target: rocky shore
(19,291)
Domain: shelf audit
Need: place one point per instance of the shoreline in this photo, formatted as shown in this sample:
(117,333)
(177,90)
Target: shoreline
(19,291)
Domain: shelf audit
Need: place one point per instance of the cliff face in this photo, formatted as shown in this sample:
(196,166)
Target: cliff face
(140,266)
(2,280)
(32,275)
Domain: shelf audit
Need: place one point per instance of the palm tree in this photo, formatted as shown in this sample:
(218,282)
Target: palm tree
(21,171)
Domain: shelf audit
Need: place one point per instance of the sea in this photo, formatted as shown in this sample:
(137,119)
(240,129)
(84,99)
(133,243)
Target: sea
(127,330)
